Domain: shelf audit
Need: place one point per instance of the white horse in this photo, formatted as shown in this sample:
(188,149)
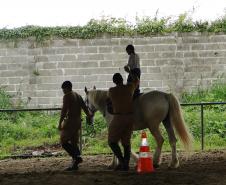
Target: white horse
(150,109)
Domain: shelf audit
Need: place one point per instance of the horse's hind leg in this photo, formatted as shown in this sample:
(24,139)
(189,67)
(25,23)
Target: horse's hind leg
(172,140)
(159,140)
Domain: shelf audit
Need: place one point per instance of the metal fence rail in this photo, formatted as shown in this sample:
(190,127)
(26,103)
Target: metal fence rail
(202,104)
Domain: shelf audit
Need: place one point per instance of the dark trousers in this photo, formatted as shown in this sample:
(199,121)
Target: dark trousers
(72,150)
(135,72)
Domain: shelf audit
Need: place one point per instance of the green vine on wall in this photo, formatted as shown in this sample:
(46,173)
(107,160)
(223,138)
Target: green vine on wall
(115,27)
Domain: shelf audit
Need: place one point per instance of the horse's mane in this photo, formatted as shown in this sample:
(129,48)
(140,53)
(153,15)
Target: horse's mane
(98,97)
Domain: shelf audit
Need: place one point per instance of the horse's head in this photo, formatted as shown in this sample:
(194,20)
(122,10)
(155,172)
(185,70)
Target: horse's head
(90,105)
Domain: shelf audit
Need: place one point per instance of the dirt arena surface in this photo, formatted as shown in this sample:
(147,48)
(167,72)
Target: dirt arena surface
(203,168)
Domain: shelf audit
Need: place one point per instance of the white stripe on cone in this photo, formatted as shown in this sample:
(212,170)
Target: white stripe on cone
(144,155)
(144,142)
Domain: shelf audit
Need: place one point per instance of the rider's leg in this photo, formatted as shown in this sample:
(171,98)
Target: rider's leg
(117,151)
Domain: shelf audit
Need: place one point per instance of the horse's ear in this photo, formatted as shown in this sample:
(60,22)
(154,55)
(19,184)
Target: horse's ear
(94,87)
(86,91)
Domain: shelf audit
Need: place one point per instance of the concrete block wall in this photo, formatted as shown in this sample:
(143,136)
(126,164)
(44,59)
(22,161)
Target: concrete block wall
(33,72)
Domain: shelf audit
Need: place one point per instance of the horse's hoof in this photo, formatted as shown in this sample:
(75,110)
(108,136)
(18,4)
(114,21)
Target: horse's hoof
(135,167)
(111,167)
(173,165)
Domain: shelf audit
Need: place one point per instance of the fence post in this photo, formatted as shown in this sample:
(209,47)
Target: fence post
(202,128)
(80,140)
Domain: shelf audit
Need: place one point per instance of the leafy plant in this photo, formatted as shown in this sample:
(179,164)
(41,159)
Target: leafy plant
(115,27)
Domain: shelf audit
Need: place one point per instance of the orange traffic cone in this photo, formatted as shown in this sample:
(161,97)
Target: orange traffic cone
(145,164)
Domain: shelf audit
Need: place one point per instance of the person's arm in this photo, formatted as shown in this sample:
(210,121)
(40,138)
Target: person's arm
(83,106)
(63,112)
(127,68)
(130,63)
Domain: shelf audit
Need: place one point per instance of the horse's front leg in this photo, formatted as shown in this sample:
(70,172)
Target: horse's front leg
(134,156)
(114,162)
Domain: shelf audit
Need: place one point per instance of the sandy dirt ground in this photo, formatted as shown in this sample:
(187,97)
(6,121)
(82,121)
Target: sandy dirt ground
(202,168)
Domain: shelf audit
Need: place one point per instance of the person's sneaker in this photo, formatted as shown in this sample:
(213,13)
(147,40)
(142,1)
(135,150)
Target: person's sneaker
(125,168)
(74,164)
(72,168)
(121,167)
(77,161)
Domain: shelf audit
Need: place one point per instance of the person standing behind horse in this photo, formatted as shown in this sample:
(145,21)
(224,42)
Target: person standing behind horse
(121,126)
(133,67)
(70,123)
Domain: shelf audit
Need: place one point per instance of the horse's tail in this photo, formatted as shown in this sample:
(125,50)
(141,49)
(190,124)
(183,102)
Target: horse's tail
(177,120)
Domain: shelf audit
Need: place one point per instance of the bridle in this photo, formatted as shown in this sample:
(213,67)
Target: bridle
(91,108)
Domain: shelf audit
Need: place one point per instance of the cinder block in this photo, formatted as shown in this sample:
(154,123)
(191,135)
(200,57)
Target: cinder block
(15,66)
(86,57)
(69,58)
(176,62)
(139,41)
(52,72)
(52,65)
(48,86)
(165,47)
(154,70)
(217,38)
(198,46)
(106,63)
(48,51)
(85,64)
(106,49)
(55,58)
(208,54)
(35,51)
(4,80)
(10,73)
(106,77)
(15,80)
(171,54)
(148,62)
(2,53)
(71,42)
(41,58)
(91,78)
(90,49)
(57,43)
(126,41)
(105,42)
(152,55)
(189,68)
(192,54)
(114,56)
(3,66)
(85,42)
(144,49)
(16,52)
(183,47)
(46,93)
(215,46)
(155,83)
